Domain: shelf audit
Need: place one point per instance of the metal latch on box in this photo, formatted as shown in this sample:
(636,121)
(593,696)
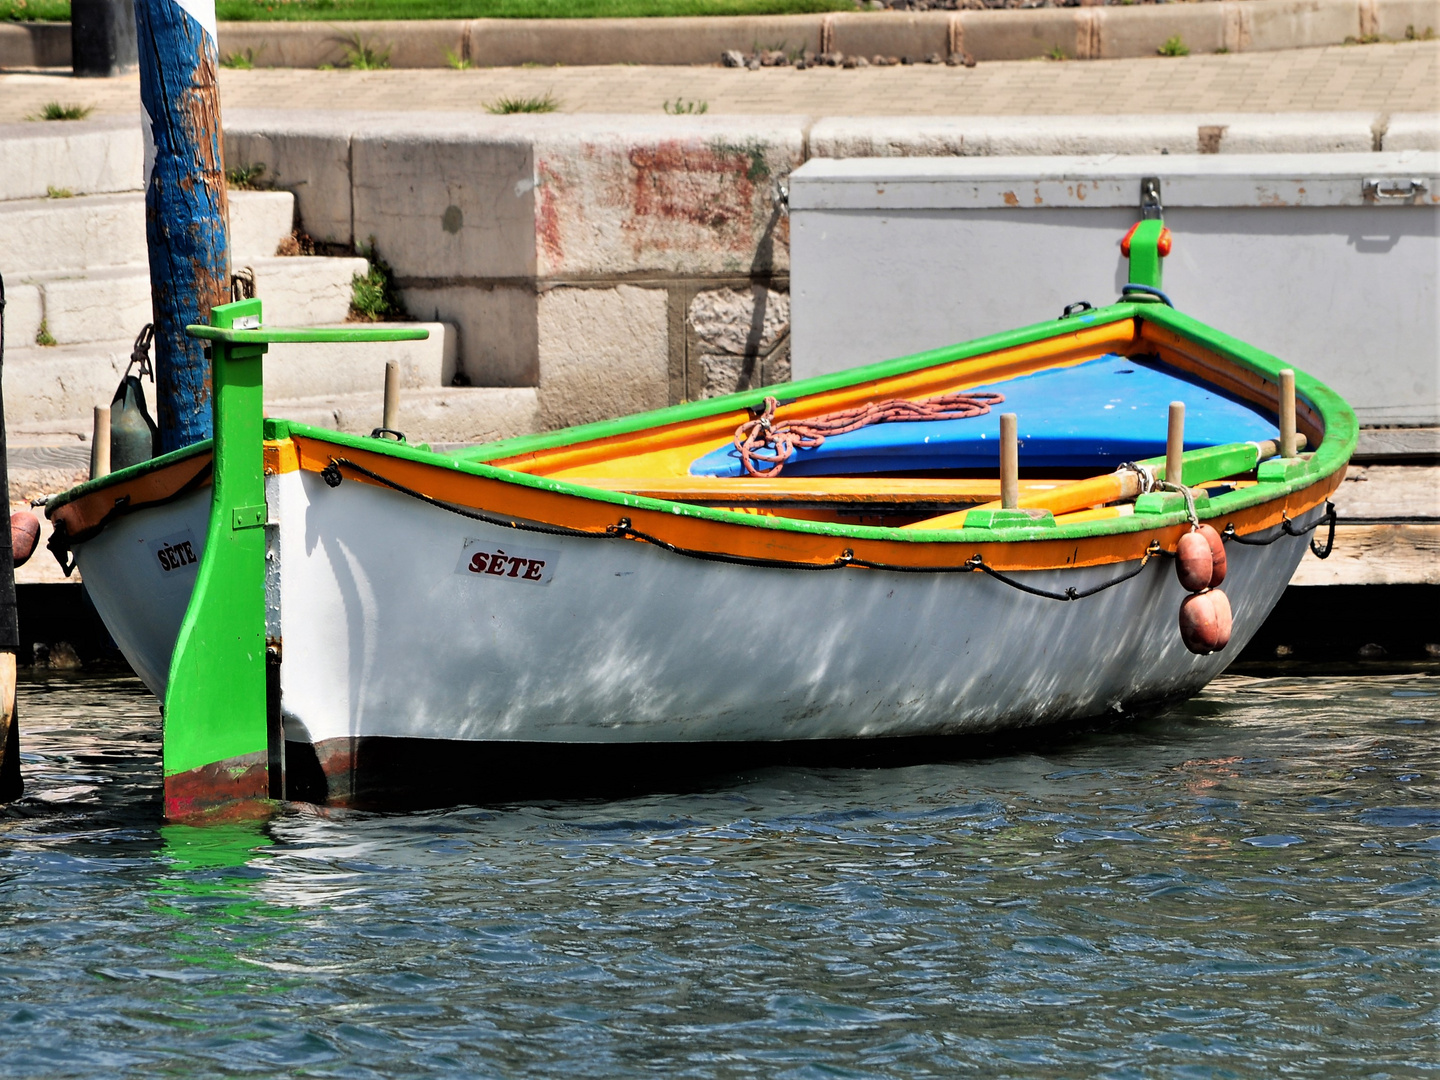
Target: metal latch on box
(1150,206)
(1376,188)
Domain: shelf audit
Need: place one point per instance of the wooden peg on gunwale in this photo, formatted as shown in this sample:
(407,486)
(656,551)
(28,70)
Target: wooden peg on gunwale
(1175,444)
(1288,443)
(390,418)
(1009,461)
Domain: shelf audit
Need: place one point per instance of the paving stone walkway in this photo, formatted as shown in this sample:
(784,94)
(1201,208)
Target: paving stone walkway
(1401,77)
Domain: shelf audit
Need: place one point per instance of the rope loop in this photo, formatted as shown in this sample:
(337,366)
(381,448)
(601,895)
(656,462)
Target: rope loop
(771,444)
(1288,528)
(331,474)
(1165,485)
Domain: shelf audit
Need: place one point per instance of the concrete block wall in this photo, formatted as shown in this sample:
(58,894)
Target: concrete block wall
(622,263)
(568,252)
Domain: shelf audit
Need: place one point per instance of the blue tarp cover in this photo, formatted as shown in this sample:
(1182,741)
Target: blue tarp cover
(1095,414)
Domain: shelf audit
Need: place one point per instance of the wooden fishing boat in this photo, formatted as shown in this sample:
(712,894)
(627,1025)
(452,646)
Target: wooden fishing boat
(364,622)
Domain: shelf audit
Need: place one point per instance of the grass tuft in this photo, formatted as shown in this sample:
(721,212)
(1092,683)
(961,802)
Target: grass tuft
(54,110)
(361,55)
(681,107)
(244,60)
(1174,46)
(373,297)
(247,177)
(52,192)
(43,335)
(1056,53)
(506,105)
(456,61)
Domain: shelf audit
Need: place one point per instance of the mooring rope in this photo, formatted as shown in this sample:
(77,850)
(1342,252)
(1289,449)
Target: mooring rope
(761,434)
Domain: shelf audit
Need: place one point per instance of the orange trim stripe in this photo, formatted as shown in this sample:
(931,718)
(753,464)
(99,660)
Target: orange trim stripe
(733,538)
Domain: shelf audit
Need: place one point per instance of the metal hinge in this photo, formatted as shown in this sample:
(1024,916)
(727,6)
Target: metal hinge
(1150,206)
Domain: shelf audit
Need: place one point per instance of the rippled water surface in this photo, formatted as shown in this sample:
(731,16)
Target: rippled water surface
(1249,886)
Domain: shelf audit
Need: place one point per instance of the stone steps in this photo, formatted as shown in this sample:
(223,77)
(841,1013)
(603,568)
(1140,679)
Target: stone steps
(92,231)
(60,385)
(111,304)
(83,157)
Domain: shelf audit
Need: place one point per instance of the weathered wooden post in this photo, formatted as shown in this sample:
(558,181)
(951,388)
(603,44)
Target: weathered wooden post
(186,209)
(11,784)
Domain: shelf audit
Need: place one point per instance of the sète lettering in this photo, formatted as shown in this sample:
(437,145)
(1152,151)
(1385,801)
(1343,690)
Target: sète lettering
(174,556)
(483,562)
(536,565)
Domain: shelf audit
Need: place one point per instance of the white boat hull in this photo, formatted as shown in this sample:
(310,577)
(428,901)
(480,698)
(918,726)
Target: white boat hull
(387,632)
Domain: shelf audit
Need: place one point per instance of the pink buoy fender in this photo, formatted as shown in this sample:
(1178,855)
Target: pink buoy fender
(1193,562)
(24,535)
(1218,562)
(1223,618)
(1199,624)
(1200,559)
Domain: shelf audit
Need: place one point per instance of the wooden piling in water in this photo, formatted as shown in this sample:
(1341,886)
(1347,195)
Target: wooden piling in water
(186,205)
(11,783)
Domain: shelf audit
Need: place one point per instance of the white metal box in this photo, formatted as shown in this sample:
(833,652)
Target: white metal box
(1329,261)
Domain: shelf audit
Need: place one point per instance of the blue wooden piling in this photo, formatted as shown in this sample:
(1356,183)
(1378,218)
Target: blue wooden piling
(186,210)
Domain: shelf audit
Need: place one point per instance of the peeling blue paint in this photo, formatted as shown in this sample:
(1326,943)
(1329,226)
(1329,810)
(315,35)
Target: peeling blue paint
(186,211)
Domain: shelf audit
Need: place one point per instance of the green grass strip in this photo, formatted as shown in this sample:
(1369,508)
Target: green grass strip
(357,10)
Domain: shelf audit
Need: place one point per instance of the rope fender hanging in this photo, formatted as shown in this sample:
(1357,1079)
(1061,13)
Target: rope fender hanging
(762,440)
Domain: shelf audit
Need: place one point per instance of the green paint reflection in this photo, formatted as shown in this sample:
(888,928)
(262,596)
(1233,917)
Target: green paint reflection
(210,882)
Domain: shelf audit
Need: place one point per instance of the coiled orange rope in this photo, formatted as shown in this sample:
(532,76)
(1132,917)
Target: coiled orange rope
(771,444)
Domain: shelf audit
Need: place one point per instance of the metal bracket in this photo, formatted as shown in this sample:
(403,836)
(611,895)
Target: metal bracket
(1151,208)
(782,196)
(249,517)
(1377,189)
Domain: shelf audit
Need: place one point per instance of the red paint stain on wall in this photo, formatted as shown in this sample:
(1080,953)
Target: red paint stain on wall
(549,189)
(698,185)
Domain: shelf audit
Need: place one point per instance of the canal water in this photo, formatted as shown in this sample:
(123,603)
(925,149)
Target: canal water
(1246,887)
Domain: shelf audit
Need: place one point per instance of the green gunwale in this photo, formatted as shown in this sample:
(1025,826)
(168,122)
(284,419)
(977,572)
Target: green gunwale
(1341,432)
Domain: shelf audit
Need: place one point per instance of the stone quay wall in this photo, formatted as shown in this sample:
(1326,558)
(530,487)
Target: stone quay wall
(614,263)
(619,263)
